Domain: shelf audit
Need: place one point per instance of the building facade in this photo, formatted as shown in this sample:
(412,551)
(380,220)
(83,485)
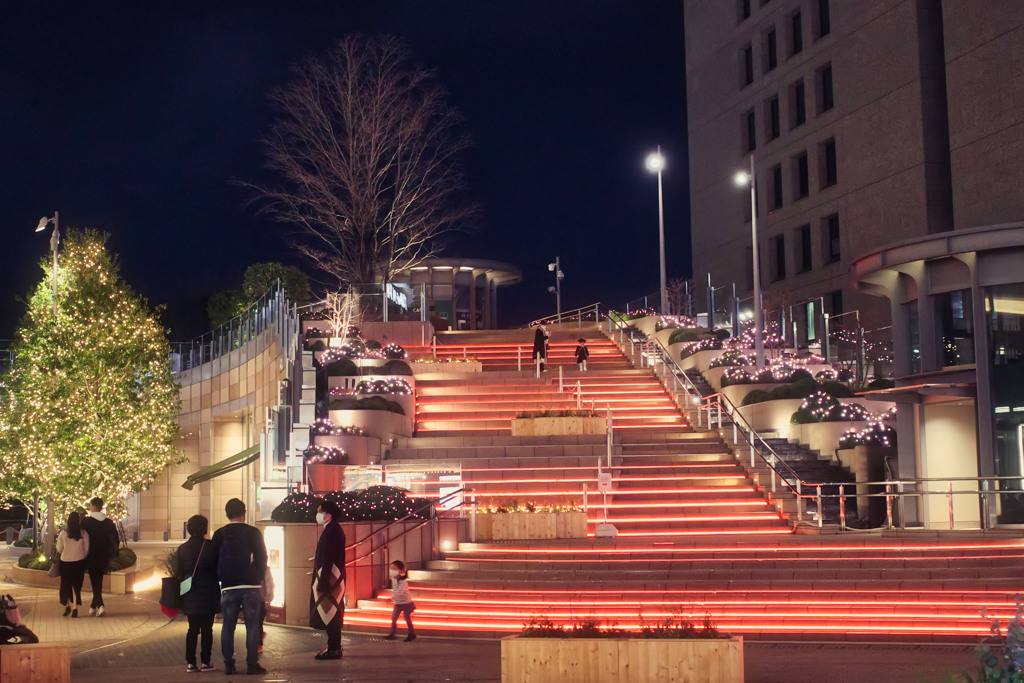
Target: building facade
(869,122)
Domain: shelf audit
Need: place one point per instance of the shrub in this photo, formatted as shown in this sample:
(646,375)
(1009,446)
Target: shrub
(375,504)
(837,389)
(394,351)
(394,386)
(126,558)
(340,367)
(875,434)
(324,455)
(780,392)
(881,383)
(395,367)
(685,335)
(799,375)
(368,403)
(373,345)
(721,334)
(804,387)
(730,359)
(755,396)
(23,542)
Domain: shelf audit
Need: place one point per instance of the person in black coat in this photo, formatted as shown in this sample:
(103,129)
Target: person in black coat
(326,603)
(540,345)
(196,558)
(103,546)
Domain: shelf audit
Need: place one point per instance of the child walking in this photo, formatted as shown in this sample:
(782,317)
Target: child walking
(403,603)
(582,354)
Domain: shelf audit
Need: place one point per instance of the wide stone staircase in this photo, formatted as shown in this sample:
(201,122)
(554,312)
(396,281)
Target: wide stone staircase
(697,535)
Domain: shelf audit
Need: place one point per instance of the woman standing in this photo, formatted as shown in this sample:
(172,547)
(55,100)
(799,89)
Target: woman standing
(540,345)
(72,547)
(197,559)
(326,605)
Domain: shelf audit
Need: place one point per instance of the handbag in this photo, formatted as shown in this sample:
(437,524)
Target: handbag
(186,584)
(10,609)
(170,595)
(54,570)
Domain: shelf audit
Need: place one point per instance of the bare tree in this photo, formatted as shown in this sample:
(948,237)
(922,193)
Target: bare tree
(366,145)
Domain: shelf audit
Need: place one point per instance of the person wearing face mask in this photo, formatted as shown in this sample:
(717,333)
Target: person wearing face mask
(196,560)
(401,599)
(327,606)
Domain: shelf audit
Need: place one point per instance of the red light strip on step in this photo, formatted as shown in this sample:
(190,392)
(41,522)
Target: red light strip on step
(790,548)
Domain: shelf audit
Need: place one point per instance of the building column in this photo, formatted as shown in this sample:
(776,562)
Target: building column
(488,310)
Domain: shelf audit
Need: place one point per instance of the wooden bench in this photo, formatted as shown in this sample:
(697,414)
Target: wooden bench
(35,663)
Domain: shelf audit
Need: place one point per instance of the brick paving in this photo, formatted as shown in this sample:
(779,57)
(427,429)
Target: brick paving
(135,643)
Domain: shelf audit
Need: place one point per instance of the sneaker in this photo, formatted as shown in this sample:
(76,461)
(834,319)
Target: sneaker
(411,637)
(255,670)
(207,667)
(192,669)
(92,611)
(391,636)
(100,611)
(328,654)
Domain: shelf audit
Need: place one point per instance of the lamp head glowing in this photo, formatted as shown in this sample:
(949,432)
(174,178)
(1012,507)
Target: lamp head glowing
(655,162)
(43,222)
(741,178)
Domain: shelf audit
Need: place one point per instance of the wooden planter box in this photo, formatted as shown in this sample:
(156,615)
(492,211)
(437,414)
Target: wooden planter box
(119,582)
(557,426)
(502,526)
(636,660)
(35,663)
(433,370)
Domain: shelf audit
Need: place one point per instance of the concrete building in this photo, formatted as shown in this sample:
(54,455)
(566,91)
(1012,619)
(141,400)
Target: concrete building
(869,122)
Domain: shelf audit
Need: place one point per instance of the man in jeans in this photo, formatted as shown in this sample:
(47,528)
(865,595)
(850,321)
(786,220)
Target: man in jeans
(241,566)
(103,545)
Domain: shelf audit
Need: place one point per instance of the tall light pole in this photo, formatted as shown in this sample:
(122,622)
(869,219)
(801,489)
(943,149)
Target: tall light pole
(54,242)
(745,178)
(556,268)
(656,164)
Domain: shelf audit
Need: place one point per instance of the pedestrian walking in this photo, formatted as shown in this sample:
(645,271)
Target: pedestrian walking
(72,547)
(267,595)
(540,345)
(582,354)
(401,599)
(196,563)
(103,545)
(241,565)
(326,603)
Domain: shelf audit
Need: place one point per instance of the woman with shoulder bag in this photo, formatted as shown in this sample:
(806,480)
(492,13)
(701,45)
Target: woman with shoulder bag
(72,547)
(196,567)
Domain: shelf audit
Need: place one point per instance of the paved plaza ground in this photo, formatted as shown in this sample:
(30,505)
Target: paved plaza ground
(136,643)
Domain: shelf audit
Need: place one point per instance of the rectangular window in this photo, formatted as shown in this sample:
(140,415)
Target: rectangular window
(796,43)
(826,98)
(802,181)
(776,187)
(835,302)
(824,19)
(798,105)
(955,316)
(833,250)
(773,118)
(748,65)
(806,260)
(751,140)
(778,258)
(829,169)
(773,50)
(744,9)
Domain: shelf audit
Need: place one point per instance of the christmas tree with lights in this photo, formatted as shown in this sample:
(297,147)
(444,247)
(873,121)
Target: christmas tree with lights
(90,406)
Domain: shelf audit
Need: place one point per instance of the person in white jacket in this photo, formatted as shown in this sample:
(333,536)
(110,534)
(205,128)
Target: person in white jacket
(72,547)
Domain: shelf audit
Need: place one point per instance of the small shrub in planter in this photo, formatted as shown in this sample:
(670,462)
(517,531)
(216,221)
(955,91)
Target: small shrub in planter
(373,345)
(875,434)
(34,561)
(339,367)
(837,389)
(685,335)
(394,351)
(780,392)
(395,367)
(549,412)
(325,455)
(23,542)
(721,334)
(368,403)
(126,558)
(881,383)
(375,504)
(755,396)
(731,359)
(827,375)
(324,427)
(823,407)
(800,374)
(396,386)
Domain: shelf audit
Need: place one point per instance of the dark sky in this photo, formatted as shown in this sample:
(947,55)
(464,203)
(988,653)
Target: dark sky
(133,117)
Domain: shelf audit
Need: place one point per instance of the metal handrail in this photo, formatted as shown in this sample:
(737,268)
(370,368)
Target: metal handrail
(393,522)
(575,314)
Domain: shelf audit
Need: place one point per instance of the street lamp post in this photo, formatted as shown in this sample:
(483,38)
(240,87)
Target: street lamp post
(556,268)
(656,164)
(744,178)
(54,242)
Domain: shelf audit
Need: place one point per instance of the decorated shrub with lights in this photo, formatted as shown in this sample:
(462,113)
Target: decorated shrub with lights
(367,403)
(686,334)
(394,352)
(676,322)
(824,407)
(325,455)
(324,427)
(394,385)
(704,344)
(374,504)
(731,359)
(394,367)
(875,434)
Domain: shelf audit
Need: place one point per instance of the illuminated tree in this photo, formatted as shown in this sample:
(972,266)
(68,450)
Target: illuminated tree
(366,146)
(90,407)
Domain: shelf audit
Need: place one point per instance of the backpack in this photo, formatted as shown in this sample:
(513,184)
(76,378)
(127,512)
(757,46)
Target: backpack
(234,563)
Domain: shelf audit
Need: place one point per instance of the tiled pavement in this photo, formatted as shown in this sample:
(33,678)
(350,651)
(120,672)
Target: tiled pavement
(135,643)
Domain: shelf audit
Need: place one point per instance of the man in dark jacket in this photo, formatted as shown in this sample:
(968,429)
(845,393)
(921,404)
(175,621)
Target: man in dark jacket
(241,567)
(327,602)
(103,544)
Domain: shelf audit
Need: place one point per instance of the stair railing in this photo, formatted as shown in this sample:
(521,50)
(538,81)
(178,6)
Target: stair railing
(590,311)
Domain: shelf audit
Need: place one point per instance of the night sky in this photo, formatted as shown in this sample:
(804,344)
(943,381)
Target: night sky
(134,117)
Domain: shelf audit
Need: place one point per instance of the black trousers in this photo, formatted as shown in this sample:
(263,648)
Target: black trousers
(334,630)
(199,625)
(72,576)
(96,579)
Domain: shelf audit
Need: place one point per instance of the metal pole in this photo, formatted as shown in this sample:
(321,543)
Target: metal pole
(888,505)
(519,358)
(799,501)
(711,304)
(472,517)
(735,313)
(842,507)
(561,385)
(661,241)
(949,497)
(826,351)
(758,313)
(820,514)
(862,371)
(608,436)
(579,396)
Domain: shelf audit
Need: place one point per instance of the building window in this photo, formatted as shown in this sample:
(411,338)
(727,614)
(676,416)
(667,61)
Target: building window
(835,302)
(773,118)
(773,50)
(744,8)
(833,250)
(804,237)
(826,93)
(748,65)
(776,187)
(829,170)
(1005,315)
(824,19)
(796,42)
(798,105)
(778,263)
(750,142)
(955,315)
(801,181)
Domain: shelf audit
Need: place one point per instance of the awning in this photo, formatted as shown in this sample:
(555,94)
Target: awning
(235,462)
(923,393)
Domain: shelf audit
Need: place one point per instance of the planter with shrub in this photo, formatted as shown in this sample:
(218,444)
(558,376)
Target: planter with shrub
(558,423)
(125,570)
(530,522)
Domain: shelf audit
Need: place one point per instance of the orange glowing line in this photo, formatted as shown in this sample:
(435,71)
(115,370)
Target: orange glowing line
(717,591)
(745,517)
(707,532)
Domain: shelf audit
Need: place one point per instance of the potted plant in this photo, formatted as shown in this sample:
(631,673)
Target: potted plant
(558,422)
